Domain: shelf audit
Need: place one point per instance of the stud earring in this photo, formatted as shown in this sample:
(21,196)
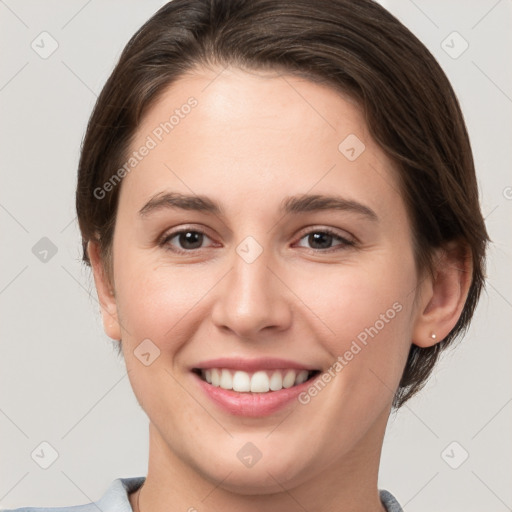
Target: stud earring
(433,336)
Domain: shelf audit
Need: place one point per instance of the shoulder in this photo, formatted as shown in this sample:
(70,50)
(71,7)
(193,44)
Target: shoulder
(389,501)
(89,507)
(115,499)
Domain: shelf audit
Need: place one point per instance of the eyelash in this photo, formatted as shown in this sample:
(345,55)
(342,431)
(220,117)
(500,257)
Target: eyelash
(344,241)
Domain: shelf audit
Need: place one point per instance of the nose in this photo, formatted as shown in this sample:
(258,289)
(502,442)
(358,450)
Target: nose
(253,299)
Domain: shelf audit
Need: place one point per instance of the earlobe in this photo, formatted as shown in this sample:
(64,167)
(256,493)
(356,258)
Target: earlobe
(443,295)
(105,293)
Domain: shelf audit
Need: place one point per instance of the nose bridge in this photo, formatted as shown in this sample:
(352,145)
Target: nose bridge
(252,298)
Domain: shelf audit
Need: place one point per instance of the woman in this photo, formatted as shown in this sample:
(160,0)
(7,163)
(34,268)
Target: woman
(279,205)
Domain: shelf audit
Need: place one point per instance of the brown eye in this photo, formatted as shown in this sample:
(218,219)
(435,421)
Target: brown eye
(324,239)
(320,240)
(184,240)
(190,240)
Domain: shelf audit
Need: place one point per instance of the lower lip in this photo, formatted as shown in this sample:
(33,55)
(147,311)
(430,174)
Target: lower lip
(252,404)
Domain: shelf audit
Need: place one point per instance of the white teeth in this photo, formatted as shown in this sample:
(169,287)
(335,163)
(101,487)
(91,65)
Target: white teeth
(215,377)
(241,382)
(258,382)
(289,379)
(276,381)
(302,376)
(226,381)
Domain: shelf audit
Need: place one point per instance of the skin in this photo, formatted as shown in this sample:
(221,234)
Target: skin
(253,139)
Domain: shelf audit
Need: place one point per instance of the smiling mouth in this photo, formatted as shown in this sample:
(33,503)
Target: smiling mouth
(262,381)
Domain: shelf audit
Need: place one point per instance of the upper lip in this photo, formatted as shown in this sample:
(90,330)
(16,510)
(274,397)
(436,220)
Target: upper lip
(252,365)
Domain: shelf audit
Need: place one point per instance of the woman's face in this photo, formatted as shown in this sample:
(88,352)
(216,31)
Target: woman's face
(295,256)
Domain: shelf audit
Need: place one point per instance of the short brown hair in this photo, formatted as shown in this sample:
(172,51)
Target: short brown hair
(354,46)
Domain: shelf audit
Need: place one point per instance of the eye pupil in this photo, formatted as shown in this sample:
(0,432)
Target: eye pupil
(191,240)
(324,240)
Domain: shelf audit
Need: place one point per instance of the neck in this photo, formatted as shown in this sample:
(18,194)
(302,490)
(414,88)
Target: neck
(349,485)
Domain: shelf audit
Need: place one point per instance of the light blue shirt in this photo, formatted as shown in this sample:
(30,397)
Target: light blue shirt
(116,499)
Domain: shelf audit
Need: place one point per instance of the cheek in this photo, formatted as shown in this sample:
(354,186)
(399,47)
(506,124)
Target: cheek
(164,303)
(366,313)
(349,300)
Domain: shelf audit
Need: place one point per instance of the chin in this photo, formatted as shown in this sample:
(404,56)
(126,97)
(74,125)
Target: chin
(267,475)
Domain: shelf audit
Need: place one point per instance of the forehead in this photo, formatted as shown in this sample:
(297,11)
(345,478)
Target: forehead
(261,103)
(263,134)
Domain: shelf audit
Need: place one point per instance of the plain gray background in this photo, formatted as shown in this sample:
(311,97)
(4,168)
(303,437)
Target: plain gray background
(61,382)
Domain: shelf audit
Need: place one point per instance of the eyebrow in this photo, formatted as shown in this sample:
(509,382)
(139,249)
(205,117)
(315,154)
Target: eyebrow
(315,202)
(166,200)
(290,205)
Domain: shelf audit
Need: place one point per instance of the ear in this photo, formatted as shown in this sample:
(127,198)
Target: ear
(106,295)
(443,295)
